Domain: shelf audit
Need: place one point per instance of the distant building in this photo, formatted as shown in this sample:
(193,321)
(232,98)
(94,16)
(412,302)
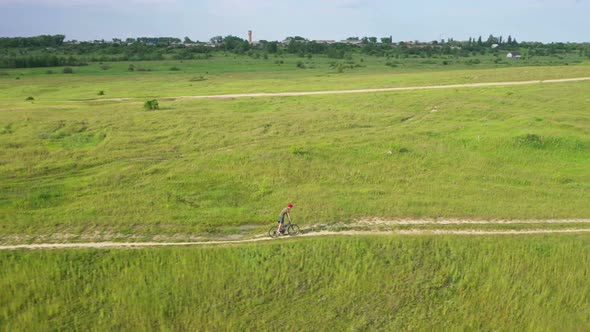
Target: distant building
(495,45)
(514,55)
(325,41)
(356,42)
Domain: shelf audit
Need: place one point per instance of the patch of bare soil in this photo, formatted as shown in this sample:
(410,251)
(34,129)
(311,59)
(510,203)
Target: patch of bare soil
(311,93)
(235,240)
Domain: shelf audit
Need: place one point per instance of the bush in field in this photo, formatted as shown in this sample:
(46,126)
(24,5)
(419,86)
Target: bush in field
(68,70)
(101,93)
(30,98)
(151,105)
(105,67)
(174,68)
(131,67)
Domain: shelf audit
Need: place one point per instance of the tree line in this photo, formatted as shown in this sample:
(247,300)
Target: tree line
(51,51)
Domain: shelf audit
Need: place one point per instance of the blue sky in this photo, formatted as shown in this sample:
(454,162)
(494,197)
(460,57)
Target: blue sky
(425,20)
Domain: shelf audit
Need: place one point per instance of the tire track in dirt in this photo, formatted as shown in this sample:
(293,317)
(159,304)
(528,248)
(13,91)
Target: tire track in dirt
(99,245)
(333,92)
(386,222)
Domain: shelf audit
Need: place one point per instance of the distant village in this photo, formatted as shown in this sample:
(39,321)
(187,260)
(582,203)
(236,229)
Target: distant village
(218,42)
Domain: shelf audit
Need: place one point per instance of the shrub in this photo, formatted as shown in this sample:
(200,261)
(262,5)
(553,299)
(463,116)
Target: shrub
(404,150)
(68,70)
(174,68)
(151,105)
(105,67)
(131,67)
(301,65)
(531,140)
(101,93)
(298,151)
(49,72)
(29,98)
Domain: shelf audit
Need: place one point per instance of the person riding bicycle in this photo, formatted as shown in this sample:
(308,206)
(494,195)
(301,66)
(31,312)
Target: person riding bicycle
(285,211)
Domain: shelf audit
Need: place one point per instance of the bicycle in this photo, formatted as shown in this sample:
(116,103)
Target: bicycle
(288,229)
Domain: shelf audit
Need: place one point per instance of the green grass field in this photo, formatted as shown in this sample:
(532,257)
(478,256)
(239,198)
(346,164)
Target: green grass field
(222,75)
(533,283)
(72,170)
(211,166)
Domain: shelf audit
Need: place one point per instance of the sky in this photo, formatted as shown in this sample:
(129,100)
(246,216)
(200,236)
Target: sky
(423,20)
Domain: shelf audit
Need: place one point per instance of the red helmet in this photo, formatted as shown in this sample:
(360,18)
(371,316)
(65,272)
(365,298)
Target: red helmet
(290,205)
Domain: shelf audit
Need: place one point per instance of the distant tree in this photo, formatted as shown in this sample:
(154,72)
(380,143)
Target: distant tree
(231,43)
(509,40)
(271,47)
(479,41)
(216,40)
(491,40)
(373,40)
(187,40)
(242,47)
(386,40)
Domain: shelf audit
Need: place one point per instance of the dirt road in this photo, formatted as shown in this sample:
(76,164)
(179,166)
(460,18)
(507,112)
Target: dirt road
(311,233)
(334,92)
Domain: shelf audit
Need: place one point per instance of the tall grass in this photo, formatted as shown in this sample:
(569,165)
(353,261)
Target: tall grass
(210,166)
(363,283)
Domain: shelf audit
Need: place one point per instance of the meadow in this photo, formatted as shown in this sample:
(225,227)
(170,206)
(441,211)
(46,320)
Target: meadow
(228,166)
(533,283)
(241,74)
(77,170)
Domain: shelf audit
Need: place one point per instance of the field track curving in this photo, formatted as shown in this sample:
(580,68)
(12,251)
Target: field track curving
(334,92)
(311,233)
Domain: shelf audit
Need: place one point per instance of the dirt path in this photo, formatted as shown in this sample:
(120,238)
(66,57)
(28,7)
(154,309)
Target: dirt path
(308,234)
(382,221)
(333,92)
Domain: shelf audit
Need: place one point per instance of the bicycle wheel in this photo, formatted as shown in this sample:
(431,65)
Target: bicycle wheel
(273,232)
(293,230)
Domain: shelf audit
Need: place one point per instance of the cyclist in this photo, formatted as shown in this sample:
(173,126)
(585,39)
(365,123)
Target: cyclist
(285,211)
